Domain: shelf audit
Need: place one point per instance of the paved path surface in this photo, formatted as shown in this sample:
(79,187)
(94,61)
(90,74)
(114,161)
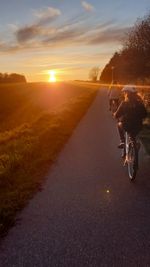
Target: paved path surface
(74,221)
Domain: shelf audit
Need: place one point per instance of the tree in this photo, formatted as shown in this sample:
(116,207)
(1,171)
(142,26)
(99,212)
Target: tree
(93,74)
(110,72)
(132,63)
(12,78)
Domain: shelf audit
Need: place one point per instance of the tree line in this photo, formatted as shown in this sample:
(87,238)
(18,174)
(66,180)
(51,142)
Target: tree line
(12,78)
(132,62)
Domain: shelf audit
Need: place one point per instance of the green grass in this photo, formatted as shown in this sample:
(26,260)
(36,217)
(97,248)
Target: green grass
(37,120)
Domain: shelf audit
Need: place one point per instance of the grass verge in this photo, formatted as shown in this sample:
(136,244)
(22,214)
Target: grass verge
(145,134)
(27,152)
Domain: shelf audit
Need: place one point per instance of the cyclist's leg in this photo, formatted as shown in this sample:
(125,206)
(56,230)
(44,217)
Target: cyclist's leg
(121,132)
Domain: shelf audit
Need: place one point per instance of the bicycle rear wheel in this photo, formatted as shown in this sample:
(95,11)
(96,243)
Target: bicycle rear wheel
(132,161)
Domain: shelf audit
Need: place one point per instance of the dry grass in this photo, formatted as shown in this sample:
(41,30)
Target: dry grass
(36,123)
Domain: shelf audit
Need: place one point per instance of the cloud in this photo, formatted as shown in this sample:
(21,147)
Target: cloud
(46,15)
(7,48)
(27,33)
(33,32)
(75,31)
(46,34)
(106,24)
(12,27)
(75,21)
(43,18)
(65,34)
(86,36)
(115,35)
(2,45)
(88,7)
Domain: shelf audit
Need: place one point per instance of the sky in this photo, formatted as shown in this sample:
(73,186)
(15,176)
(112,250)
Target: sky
(69,37)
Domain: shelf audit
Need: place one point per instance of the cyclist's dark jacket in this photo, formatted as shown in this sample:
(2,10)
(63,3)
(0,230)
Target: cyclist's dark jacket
(131,114)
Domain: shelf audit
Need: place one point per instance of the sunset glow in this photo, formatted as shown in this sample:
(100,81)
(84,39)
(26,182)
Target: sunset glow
(67,37)
(52,77)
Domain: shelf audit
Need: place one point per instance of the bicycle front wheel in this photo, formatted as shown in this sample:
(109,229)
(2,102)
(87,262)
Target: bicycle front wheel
(132,161)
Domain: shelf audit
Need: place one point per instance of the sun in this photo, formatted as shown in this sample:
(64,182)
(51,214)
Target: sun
(52,76)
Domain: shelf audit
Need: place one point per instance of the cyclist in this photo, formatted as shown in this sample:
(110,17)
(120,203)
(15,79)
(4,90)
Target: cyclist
(130,114)
(114,94)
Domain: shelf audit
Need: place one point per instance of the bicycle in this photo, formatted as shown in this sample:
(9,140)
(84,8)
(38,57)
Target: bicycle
(130,155)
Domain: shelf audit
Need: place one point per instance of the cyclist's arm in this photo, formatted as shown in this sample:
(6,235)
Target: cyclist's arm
(120,111)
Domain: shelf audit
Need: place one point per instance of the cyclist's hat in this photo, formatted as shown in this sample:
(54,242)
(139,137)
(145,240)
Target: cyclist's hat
(129,88)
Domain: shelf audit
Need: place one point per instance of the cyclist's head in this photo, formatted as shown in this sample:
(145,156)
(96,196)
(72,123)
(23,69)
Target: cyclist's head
(130,92)
(129,89)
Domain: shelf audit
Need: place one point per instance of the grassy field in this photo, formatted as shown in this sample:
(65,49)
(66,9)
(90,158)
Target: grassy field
(36,121)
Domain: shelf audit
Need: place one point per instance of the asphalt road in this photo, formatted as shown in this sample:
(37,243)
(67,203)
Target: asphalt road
(88,213)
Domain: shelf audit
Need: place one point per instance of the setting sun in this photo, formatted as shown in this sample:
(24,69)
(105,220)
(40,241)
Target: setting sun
(52,76)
